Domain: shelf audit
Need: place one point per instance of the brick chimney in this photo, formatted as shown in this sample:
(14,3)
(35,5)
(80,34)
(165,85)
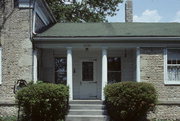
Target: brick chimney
(128,11)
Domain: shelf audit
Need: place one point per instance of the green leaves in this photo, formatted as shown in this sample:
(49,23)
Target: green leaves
(129,101)
(86,11)
(45,102)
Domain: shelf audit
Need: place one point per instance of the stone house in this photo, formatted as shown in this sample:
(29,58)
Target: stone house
(87,56)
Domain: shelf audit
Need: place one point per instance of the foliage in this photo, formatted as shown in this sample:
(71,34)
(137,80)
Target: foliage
(162,120)
(129,101)
(84,11)
(43,102)
(13,118)
(8,118)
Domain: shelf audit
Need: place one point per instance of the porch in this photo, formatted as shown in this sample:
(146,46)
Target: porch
(86,70)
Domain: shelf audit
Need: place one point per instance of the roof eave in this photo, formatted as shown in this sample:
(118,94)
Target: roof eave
(106,39)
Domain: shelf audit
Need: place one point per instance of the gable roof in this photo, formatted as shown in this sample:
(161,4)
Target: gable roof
(112,30)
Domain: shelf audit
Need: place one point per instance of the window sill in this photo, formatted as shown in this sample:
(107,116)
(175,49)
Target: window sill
(172,83)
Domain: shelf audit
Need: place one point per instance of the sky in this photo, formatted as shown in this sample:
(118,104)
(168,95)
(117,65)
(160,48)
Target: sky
(151,11)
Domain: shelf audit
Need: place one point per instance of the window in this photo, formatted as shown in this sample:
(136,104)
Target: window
(114,69)
(173,66)
(61,70)
(67,2)
(87,71)
(15,3)
(23,3)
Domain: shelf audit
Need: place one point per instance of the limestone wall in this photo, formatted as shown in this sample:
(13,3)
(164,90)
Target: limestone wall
(152,70)
(16,52)
(169,112)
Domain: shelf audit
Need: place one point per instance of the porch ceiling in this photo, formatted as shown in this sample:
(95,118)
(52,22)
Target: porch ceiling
(112,30)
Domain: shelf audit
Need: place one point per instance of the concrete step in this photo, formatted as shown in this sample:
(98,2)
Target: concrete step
(87,106)
(86,102)
(87,118)
(87,112)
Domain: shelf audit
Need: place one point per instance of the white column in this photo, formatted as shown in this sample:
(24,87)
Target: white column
(69,73)
(138,64)
(0,65)
(35,66)
(104,71)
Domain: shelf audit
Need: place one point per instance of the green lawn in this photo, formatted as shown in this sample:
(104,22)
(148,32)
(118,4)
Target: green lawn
(12,118)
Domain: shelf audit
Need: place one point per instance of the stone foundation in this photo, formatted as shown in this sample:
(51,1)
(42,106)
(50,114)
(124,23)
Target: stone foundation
(8,110)
(169,112)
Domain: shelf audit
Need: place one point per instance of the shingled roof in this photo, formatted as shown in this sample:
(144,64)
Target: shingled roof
(112,30)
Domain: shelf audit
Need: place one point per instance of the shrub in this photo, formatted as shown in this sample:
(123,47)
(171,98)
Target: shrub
(129,101)
(43,102)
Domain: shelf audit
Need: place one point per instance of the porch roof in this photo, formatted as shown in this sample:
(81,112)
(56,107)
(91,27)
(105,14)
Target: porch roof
(61,30)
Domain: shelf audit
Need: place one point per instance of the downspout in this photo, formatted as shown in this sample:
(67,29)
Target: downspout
(32,18)
(32,30)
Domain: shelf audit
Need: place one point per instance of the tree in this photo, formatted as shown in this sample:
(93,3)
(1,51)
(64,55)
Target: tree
(84,11)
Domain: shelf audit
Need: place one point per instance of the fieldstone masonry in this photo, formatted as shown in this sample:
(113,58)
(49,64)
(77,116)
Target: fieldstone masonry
(16,54)
(152,71)
(8,110)
(1,14)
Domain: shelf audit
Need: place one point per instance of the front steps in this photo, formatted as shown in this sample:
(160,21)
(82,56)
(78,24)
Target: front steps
(87,110)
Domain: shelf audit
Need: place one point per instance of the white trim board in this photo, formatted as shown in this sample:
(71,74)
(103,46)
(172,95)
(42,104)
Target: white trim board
(43,44)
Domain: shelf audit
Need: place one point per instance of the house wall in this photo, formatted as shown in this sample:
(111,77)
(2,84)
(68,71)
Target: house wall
(1,13)
(152,71)
(16,54)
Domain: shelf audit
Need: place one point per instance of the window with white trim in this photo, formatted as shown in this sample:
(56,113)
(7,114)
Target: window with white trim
(173,66)
(114,69)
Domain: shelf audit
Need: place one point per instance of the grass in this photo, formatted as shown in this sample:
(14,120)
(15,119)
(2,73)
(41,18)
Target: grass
(12,118)
(163,120)
(8,118)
